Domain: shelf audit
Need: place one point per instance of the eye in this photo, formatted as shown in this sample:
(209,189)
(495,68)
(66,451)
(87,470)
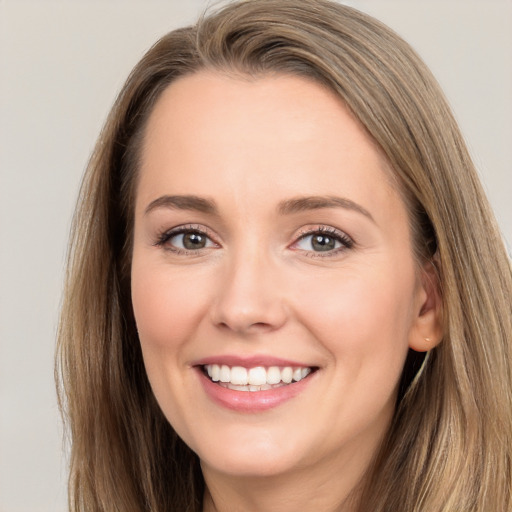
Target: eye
(323,241)
(185,239)
(190,241)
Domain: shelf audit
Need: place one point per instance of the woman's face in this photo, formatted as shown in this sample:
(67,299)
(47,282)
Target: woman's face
(270,247)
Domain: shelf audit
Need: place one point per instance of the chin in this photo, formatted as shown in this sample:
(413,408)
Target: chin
(256,458)
(258,467)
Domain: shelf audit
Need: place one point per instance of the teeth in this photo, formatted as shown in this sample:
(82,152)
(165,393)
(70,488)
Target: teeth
(264,387)
(287,374)
(239,376)
(273,375)
(224,373)
(258,378)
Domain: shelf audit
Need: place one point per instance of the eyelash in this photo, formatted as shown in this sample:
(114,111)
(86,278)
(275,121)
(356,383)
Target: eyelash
(342,238)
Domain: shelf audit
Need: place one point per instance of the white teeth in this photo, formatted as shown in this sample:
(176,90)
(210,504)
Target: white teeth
(258,378)
(239,375)
(287,374)
(273,375)
(264,387)
(224,373)
(237,388)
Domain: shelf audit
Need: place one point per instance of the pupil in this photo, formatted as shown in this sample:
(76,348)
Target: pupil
(194,241)
(323,243)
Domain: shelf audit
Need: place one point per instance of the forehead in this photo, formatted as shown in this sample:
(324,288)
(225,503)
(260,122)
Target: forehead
(207,99)
(209,132)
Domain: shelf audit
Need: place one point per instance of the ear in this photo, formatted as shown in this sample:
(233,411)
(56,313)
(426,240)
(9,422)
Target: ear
(427,328)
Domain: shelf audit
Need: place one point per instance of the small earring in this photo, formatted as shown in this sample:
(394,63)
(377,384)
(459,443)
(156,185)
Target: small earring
(428,340)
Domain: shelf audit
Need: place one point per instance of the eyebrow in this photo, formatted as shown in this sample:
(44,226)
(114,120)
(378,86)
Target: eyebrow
(301,204)
(187,202)
(288,207)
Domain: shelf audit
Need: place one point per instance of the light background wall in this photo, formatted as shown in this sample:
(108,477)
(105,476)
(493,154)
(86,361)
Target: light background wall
(61,64)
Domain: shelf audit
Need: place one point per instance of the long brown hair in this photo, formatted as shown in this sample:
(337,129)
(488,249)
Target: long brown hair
(450,445)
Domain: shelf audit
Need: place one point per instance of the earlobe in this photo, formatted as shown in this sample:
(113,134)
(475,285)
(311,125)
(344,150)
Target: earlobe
(427,329)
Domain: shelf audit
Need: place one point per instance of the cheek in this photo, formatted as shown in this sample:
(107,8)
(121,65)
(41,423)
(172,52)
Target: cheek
(363,314)
(166,306)
(166,310)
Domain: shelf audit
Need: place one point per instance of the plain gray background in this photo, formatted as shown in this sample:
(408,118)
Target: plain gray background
(61,65)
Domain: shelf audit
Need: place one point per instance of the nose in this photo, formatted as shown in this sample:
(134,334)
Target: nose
(251,298)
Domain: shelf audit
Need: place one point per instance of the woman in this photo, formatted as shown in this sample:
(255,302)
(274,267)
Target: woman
(286,288)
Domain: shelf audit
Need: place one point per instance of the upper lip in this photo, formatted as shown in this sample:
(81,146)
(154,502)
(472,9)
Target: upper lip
(249,361)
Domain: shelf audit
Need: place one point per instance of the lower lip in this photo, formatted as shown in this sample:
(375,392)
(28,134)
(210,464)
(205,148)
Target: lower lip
(252,401)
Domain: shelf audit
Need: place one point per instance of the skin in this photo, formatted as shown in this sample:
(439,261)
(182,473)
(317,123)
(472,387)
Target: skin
(260,287)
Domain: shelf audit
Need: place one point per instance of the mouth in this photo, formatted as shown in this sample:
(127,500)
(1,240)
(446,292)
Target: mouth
(258,378)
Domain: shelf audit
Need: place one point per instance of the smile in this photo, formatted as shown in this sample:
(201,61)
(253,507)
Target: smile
(258,378)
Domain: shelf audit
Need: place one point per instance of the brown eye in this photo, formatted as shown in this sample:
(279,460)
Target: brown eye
(194,241)
(323,243)
(188,240)
(319,242)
